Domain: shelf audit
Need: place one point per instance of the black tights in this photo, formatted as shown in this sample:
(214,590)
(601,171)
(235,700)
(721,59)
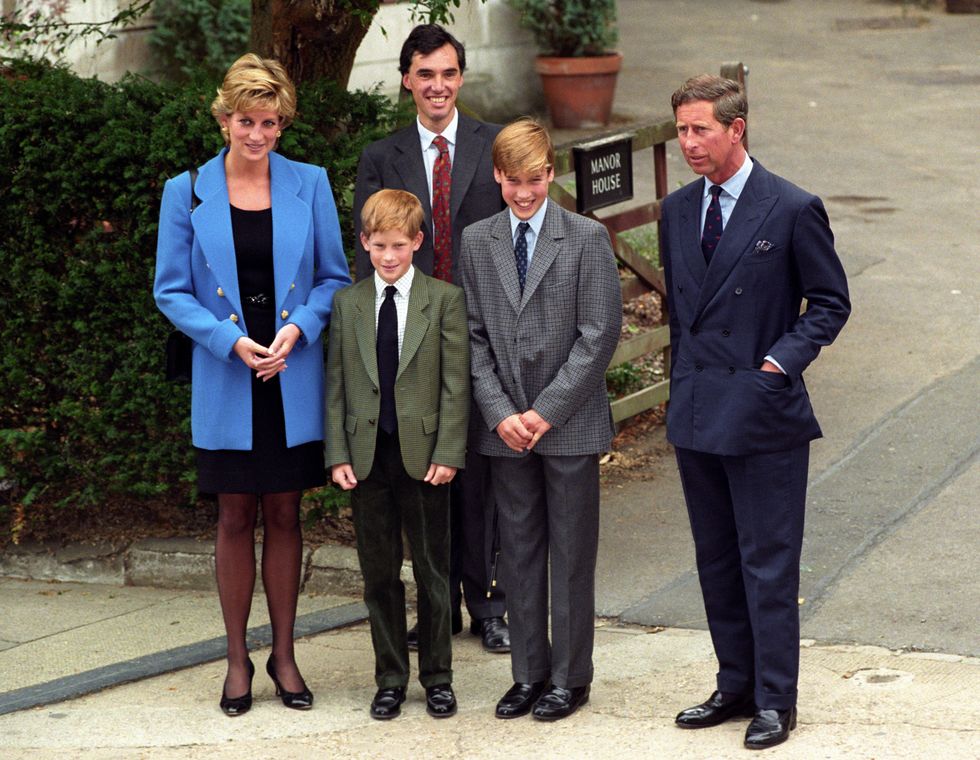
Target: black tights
(234,557)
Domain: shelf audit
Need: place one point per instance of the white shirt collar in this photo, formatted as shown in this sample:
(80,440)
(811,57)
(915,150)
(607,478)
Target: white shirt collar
(536,221)
(403,284)
(734,184)
(426,135)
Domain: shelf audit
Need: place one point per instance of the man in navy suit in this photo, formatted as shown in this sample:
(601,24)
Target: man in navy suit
(432,62)
(742,250)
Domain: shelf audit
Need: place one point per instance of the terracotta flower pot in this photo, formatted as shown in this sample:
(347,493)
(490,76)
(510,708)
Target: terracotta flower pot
(579,91)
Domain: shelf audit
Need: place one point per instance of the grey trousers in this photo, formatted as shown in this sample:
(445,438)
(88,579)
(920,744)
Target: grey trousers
(549,508)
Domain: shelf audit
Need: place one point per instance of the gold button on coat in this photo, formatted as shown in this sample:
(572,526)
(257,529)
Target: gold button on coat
(284,314)
(292,286)
(221,293)
(234,318)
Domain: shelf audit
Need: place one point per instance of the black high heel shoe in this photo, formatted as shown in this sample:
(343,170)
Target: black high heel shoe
(297,700)
(235,706)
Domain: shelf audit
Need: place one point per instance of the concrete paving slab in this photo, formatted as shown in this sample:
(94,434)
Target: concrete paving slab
(642,679)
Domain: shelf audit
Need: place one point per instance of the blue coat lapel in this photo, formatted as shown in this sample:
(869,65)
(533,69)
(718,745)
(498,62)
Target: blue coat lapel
(212,228)
(690,232)
(753,206)
(291,219)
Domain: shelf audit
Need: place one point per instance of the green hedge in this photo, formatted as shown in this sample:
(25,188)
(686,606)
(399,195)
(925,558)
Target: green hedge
(85,414)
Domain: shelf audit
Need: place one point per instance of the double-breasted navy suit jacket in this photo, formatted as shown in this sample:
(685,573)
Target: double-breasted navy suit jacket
(196,287)
(777,250)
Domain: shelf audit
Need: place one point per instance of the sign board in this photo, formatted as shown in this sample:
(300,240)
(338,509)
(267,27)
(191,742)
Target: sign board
(603,172)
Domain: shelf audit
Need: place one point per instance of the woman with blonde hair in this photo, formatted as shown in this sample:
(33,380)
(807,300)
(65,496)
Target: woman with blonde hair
(249,257)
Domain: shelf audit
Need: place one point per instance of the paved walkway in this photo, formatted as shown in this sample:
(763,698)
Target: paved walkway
(882,124)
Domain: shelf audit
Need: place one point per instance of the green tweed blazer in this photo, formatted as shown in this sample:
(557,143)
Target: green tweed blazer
(432,387)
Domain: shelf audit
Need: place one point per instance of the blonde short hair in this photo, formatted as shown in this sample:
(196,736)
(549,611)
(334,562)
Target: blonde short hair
(389,210)
(252,84)
(523,146)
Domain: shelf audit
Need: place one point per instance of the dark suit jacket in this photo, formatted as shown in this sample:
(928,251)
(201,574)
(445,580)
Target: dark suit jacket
(432,389)
(547,349)
(396,163)
(777,249)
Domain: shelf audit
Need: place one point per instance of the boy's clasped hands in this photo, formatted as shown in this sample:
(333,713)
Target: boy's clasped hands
(523,431)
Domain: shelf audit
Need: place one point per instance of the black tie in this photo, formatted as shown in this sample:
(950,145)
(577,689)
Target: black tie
(388,359)
(520,253)
(712,225)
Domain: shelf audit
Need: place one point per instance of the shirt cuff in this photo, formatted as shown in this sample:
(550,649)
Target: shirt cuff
(778,365)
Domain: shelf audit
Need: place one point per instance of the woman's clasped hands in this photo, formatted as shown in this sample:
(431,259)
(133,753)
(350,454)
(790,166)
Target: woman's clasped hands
(267,362)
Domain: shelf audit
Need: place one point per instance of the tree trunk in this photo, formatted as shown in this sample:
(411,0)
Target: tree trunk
(313,39)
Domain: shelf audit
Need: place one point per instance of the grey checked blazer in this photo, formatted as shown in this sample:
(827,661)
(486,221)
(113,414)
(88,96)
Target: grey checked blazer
(546,350)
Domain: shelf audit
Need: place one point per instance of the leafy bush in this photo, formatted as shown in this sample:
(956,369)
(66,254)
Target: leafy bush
(570,28)
(85,414)
(194,36)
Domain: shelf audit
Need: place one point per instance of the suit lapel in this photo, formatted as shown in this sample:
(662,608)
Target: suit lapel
(365,327)
(502,253)
(469,146)
(545,249)
(690,230)
(211,221)
(291,219)
(416,321)
(411,169)
(754,204)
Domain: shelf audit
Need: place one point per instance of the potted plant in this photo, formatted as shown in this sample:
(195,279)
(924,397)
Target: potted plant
(577,65)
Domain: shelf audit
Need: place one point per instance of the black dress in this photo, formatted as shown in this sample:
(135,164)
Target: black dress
(270,466)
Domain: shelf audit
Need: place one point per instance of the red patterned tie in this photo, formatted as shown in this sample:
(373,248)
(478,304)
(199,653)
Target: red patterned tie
(442,228)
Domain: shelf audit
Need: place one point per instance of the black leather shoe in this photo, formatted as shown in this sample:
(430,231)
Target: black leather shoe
(494,634)
(412,636)
(769,728)
(297,700)
(558,703)
(719,708)
(387,703)
(440,702)
(519,699)
(235,706)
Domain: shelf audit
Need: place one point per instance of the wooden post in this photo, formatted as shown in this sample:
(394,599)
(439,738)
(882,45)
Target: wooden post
(739,72)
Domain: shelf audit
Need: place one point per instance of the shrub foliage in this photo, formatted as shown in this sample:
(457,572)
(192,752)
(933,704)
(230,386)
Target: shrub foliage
(85,413)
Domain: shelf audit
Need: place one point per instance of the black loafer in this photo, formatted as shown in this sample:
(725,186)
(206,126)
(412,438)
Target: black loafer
(519,700)
(440,702)
(557,703)
(769,728)
(719,708)
(494,634)
(387,703)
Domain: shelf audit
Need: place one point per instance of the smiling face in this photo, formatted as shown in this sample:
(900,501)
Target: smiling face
(524,192)
(251,134)
(391,252)
(710,148)
(434,80)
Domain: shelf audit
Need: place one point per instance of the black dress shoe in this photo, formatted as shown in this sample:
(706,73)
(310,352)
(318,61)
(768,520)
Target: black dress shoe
(493,631)
(235,706)
(440,702)
(412,636)
(519,699)
(769,728)
(387,703)
(297,700)
(719,708)
(558,703)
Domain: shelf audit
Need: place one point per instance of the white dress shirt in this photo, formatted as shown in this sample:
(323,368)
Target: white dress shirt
(731,189)
(430,152)
(403,286)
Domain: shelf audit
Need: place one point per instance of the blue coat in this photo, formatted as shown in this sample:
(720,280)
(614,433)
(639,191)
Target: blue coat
(196,287)
(777,251)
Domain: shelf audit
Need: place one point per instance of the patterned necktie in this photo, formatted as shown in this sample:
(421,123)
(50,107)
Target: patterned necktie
(712,225)
(442,242)
(520,253)
(387,344)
